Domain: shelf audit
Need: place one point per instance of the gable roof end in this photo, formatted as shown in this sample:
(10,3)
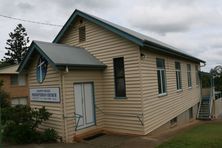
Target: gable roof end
(135,37)
(61,55)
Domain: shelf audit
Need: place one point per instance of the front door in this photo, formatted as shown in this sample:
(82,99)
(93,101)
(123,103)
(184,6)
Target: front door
(84,105)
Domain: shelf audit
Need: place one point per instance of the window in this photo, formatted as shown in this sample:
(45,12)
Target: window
(197,75)
(191,112)
(14,79)
(173,121)
(22,80)
(18,101)
(82,34)
(18,80)
(189,75)
(119,76)
(160,63)
(178,75)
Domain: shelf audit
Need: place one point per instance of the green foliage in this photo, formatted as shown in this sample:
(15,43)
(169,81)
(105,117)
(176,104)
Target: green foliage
(4,64)
(206,81)
(4,97)
(217,73)
(49,135)
(17,45)
(20,134)
(218,83)
(21,123)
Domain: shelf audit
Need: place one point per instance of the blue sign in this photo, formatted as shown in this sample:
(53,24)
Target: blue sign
(41,69)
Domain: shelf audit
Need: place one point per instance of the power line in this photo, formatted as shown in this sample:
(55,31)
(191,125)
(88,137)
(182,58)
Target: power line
(30,21)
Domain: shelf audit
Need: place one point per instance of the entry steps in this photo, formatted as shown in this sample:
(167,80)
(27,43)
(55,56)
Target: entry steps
(204,111)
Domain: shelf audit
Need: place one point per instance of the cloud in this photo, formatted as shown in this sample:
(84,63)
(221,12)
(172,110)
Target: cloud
(164,16)
(192,26)
(25,6)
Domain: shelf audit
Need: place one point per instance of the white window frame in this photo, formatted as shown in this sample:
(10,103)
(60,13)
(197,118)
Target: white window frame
(162,73)
(189,76)
(19,101)
(178,77)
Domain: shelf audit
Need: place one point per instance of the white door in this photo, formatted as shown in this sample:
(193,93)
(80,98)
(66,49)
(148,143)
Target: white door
(84,105)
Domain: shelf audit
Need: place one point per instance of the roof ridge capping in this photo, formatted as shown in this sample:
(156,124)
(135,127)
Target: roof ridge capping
(136,37)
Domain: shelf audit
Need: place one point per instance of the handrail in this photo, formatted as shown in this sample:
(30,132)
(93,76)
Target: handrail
(76,116)
(198,113)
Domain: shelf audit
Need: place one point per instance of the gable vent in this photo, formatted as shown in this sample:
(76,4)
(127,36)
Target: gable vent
(82,34)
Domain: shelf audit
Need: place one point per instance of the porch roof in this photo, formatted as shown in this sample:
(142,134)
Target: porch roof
(61,55)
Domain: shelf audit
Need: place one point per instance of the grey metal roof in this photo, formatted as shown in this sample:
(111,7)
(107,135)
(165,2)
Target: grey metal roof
(143,37)
(63,55)
(136,37)
(60,56)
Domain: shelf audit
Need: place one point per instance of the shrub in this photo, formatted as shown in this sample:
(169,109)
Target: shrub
(20,134)
(49,135)
(4,97)
(20,123)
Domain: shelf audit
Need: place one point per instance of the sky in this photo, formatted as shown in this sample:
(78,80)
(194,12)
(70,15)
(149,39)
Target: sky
(194,26)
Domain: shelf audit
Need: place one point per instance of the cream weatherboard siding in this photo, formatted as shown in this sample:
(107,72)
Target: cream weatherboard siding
(120,115)
(160,109)
(52,80)
(75,76)
(141,112)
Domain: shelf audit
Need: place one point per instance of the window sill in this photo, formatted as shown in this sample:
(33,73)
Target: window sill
(18,86)
(179,90)
(120,98)
(163,94)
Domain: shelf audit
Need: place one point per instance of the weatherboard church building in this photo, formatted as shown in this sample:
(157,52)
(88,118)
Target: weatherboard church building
(97,76)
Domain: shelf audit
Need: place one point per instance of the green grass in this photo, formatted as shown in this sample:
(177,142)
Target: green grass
(207,135)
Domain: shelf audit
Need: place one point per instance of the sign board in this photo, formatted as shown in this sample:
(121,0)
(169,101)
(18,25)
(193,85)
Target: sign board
(45,94)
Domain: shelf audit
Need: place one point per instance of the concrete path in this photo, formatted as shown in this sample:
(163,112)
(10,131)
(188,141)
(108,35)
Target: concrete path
(117,141)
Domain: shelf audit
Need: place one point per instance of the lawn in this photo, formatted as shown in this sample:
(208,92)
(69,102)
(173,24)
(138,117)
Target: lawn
(207,135)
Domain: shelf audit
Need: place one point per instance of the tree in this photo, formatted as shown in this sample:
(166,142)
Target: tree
(17,45)
(217,73)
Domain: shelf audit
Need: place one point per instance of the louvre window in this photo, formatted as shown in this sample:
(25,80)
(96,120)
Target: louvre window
(178,75)
(119,76)
(189,79)
(161,76)
(82,34)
